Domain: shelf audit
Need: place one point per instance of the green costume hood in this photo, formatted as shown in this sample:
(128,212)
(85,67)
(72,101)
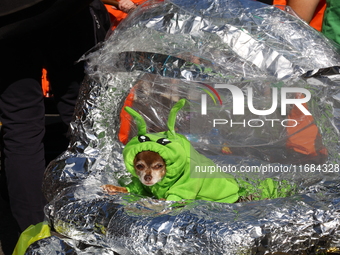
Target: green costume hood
(180,158)
(168,145)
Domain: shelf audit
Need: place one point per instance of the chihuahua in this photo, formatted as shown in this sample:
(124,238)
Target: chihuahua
(150,168)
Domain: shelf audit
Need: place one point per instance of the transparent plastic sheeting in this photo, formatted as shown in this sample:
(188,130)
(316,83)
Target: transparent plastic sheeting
(165,51)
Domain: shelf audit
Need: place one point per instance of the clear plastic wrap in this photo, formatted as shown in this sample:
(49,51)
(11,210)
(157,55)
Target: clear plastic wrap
(165,51)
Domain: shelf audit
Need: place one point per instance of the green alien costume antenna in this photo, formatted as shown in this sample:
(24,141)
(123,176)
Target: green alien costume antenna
(141,125)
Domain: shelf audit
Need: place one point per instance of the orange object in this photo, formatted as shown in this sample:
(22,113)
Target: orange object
(316,22)
(226,149)
(304,138)
(317,19)
(125,119)
(116,16)
(46,88)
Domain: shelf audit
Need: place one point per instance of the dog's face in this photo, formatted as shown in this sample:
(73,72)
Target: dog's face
(150,167)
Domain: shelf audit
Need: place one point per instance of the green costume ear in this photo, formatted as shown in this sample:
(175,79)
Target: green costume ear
(140,122)
(141,125)
(172,117)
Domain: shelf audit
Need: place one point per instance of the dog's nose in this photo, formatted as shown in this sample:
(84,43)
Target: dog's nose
(147,178)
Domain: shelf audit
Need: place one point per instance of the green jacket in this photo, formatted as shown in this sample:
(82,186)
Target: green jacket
(180,158)
(331,21)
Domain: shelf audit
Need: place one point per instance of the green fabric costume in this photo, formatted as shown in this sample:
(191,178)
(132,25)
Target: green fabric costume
(331,21)
(180,158)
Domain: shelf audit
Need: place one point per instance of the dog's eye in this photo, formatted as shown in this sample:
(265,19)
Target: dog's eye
(158,166)
(140,167)
(163,141)
(143,138)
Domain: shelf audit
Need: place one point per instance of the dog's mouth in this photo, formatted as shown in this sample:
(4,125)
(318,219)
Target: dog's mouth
(148,183)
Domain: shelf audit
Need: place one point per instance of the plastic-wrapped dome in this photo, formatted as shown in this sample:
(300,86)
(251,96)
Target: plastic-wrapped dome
(205,51)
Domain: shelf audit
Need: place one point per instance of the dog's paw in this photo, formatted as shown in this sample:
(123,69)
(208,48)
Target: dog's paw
(112,190)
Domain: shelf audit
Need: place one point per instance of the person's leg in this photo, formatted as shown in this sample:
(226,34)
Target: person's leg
(22,116)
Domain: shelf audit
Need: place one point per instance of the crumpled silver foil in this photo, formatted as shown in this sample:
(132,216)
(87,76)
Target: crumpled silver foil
(167,50)
(56,245)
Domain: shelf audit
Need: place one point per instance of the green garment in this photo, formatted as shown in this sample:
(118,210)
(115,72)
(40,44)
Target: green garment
(180,158)
(331,21)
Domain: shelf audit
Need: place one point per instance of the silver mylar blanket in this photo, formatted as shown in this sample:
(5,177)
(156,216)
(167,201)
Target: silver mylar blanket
(167,50)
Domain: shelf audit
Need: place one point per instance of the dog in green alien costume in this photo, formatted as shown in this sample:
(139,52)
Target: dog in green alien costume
(161,165)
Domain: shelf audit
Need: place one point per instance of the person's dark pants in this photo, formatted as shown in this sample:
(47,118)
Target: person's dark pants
(22,108)
(22,116)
